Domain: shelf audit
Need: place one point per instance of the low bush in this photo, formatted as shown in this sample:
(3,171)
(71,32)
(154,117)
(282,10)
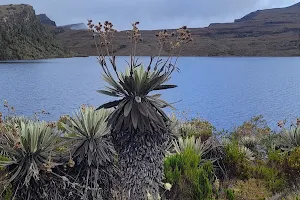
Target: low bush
(274,179)
(256,126)
(236,161)
(252,189)
(230,194)
(198,128)
(293,160)
(184,171)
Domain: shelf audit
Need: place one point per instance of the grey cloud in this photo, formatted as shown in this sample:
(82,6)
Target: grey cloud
(151,13)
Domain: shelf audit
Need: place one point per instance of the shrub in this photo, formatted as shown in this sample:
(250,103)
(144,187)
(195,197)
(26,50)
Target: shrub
(230,194)
(203,179)
(274,179)
(252,189)
(235,160)
(293,159)
(198,128)
(240,167)
(185,171)
(256,126)
(276,158)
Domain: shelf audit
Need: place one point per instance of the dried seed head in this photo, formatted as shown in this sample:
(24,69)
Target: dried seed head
(71,163)
(281,123)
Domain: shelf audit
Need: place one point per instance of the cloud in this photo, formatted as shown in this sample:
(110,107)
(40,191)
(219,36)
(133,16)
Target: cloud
(151,13)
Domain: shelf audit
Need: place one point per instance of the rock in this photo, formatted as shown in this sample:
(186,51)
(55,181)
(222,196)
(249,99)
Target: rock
(22,36)
(45,20)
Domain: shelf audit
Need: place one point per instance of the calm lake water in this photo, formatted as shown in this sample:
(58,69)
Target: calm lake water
(225,91)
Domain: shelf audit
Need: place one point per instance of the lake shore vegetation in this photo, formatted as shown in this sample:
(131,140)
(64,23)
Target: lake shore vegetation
(130,149)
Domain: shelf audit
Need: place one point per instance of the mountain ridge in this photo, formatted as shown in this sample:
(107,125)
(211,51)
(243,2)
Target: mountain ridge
(270,32)
(23,37)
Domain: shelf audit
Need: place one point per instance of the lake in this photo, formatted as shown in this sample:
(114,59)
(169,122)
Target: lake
(225,91)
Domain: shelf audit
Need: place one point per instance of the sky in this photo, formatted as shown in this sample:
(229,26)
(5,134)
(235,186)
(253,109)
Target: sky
(152,14)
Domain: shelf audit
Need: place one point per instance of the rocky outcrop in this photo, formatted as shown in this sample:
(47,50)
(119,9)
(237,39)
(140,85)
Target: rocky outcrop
(45,20)
(22,36)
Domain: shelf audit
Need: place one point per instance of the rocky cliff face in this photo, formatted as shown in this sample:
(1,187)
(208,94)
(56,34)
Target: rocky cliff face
(45,20)
(22,36)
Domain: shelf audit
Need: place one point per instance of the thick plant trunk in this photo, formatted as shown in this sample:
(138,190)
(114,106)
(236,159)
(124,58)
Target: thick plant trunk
(141,157)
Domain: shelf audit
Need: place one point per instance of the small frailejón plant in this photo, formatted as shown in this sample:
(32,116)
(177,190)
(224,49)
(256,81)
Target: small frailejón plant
(30,147)
(289,138)
(139,126)
(92,155)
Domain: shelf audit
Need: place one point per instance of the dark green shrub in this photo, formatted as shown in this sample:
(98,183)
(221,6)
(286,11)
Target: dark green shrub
(236,161)
(184,170)
(230,194)
(203,179)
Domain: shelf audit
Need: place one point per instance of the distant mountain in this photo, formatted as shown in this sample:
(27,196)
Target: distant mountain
(22,36)
(45,20)
(79,26)
(271,32)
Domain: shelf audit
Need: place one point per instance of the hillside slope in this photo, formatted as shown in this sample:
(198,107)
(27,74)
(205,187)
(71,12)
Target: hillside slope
(272,32)
(22,36)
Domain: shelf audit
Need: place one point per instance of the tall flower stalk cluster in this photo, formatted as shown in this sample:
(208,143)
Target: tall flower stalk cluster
(139,126)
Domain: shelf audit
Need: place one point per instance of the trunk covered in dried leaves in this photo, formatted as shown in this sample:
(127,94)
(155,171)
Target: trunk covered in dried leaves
(141,158)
